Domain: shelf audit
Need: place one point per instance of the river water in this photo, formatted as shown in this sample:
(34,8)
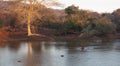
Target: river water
(61,53)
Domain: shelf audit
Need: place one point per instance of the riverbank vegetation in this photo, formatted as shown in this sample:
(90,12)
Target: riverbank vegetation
(36,20)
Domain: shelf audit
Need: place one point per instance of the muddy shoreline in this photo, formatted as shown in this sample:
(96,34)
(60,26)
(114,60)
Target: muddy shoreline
(55,38)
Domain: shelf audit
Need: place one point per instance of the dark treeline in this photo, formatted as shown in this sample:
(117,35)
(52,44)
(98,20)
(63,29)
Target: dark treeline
(71,20)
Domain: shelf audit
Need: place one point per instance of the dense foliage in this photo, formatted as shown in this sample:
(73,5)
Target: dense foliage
(99,26)
(71,20)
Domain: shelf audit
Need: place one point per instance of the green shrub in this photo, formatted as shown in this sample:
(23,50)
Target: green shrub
(100,26)
(70,27)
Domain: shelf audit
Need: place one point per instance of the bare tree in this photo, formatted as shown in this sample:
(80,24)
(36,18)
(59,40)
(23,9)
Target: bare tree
(29,9)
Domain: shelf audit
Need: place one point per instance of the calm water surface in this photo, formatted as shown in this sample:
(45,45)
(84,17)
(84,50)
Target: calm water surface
(61,53)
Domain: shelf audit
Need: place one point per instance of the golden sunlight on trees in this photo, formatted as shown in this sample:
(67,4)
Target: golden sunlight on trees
(29,8)
(23,18)
(77,15)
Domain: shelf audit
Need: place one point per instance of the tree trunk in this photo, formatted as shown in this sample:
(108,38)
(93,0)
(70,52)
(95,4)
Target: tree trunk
(29,18)
(29,24)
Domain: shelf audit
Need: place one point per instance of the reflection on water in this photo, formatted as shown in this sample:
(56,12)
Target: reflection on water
(74,53)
